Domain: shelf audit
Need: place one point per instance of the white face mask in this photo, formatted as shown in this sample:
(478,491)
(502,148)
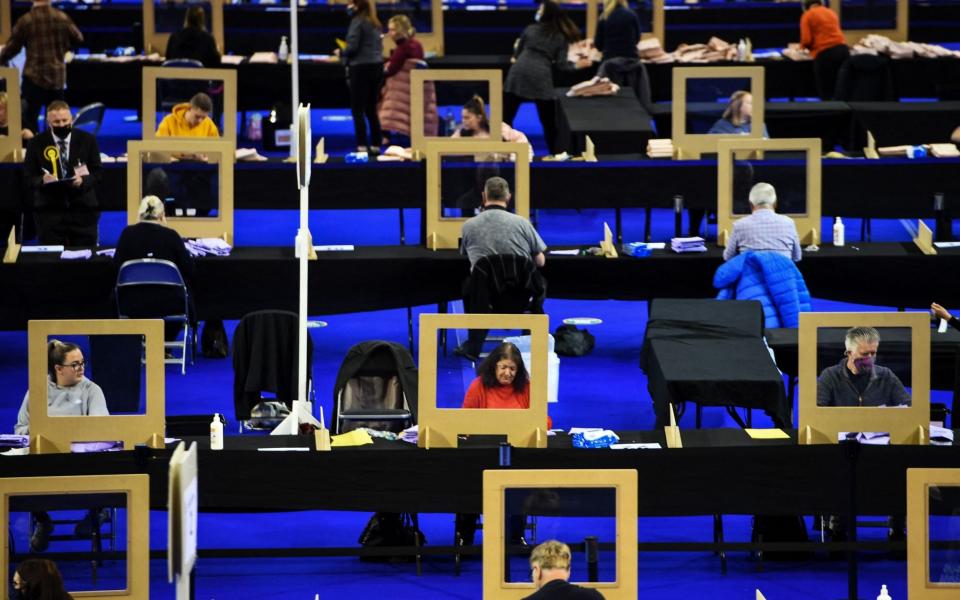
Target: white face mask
(539,15)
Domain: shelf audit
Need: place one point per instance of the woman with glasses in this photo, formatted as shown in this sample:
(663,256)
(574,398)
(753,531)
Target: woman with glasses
(69,394)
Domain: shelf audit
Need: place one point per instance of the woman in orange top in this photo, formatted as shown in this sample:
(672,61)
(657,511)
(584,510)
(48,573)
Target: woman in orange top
(503,381)
(820,34)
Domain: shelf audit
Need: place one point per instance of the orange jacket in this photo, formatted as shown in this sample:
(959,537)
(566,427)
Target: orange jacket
(820,30)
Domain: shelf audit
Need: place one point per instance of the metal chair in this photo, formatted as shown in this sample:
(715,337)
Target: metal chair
(90,118)
(153,288)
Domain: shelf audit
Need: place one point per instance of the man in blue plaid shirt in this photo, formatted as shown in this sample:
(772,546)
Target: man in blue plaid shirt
(764,230)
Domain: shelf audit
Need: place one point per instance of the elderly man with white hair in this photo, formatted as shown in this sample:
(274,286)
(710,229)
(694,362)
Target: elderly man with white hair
(857,380)
(764,230)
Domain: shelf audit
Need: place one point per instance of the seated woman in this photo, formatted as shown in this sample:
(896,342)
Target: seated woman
(38,578)
(194,41)
(151,238)
(393,108)
(737,117)
(69,394)
(502,381)
(474,123)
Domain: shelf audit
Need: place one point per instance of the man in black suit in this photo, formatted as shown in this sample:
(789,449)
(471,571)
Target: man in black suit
(550,570)
(62,165)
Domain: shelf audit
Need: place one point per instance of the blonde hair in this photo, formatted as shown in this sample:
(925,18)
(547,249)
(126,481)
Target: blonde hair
(3,98)
(551,554)
(403,25)
(732,112)
(611,5)
(151,209)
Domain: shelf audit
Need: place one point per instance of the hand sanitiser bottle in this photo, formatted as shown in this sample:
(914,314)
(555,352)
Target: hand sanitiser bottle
(838,232)
(884,595)
(284,51)
(216,433)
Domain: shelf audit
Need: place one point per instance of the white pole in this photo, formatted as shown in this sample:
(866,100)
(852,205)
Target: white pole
(294,71)
(304,241)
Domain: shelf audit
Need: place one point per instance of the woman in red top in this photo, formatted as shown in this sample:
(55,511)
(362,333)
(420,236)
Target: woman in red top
(820,34)
(503,381)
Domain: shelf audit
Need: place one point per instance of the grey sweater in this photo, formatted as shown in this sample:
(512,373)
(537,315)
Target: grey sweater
(834,388)
(540,50)
(364,46)
(84,399)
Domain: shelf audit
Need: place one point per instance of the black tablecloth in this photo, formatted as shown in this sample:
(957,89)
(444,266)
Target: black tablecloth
(323,85)
(710,352)
(717,471)
(616,124)
(395,276)
(887,188)
(897,123)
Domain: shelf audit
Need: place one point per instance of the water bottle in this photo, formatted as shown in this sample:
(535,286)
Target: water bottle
(838,232)
(255,127)
(284,53)
(216,433)
(884,594)
(450,123)
(741,51)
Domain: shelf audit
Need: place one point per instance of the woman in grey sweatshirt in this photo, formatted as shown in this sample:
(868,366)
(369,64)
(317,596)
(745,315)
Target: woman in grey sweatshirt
(69,393)
(363,57)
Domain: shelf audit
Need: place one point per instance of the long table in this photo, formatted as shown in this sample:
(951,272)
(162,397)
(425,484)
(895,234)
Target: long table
(718,471)
(886,188)
(261,86)
(370,278)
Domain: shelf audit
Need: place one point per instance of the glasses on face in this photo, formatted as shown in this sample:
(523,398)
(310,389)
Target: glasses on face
(77,365)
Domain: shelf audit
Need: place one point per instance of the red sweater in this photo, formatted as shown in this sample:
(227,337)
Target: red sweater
(409,48)
(820,30)
(502,396)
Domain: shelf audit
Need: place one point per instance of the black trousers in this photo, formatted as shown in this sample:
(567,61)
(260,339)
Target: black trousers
(826,68)
(363,82)
(32,99)
(68,228)
(546,111)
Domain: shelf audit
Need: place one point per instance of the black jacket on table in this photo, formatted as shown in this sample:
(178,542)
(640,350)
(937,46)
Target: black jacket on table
(153,240)
(562,590)
(83,149)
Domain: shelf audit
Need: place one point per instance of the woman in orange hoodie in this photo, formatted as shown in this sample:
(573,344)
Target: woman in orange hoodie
(820,34)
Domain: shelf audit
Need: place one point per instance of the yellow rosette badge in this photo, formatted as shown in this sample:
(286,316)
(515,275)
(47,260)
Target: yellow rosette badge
(53,155)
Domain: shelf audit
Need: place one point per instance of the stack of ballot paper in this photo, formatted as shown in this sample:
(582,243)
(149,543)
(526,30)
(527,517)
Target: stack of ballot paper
(410,434)
(688,244)
(9,440)
(207,246)
(660,148)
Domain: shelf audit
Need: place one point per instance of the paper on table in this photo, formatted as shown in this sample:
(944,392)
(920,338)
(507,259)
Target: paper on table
(52,248)
(767,434)
(576,430)
(357,437)
(565,252)
(653,446)
(76,254)
(298,449)
(657,245)
(947,244)
(335,248)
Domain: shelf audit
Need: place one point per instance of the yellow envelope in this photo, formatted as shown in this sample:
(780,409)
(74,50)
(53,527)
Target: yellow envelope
(357,437)
(767,434)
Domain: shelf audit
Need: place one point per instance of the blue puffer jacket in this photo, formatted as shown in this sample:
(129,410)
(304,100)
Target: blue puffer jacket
(772,279)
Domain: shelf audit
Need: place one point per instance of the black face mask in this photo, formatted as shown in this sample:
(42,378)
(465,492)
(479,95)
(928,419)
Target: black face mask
(62,132)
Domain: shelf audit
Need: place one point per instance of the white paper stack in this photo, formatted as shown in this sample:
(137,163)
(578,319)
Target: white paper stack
(410,434)
(662,148)
(688,244)
(207,246)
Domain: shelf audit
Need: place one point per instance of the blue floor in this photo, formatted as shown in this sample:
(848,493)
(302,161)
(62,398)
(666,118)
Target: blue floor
(605,389)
